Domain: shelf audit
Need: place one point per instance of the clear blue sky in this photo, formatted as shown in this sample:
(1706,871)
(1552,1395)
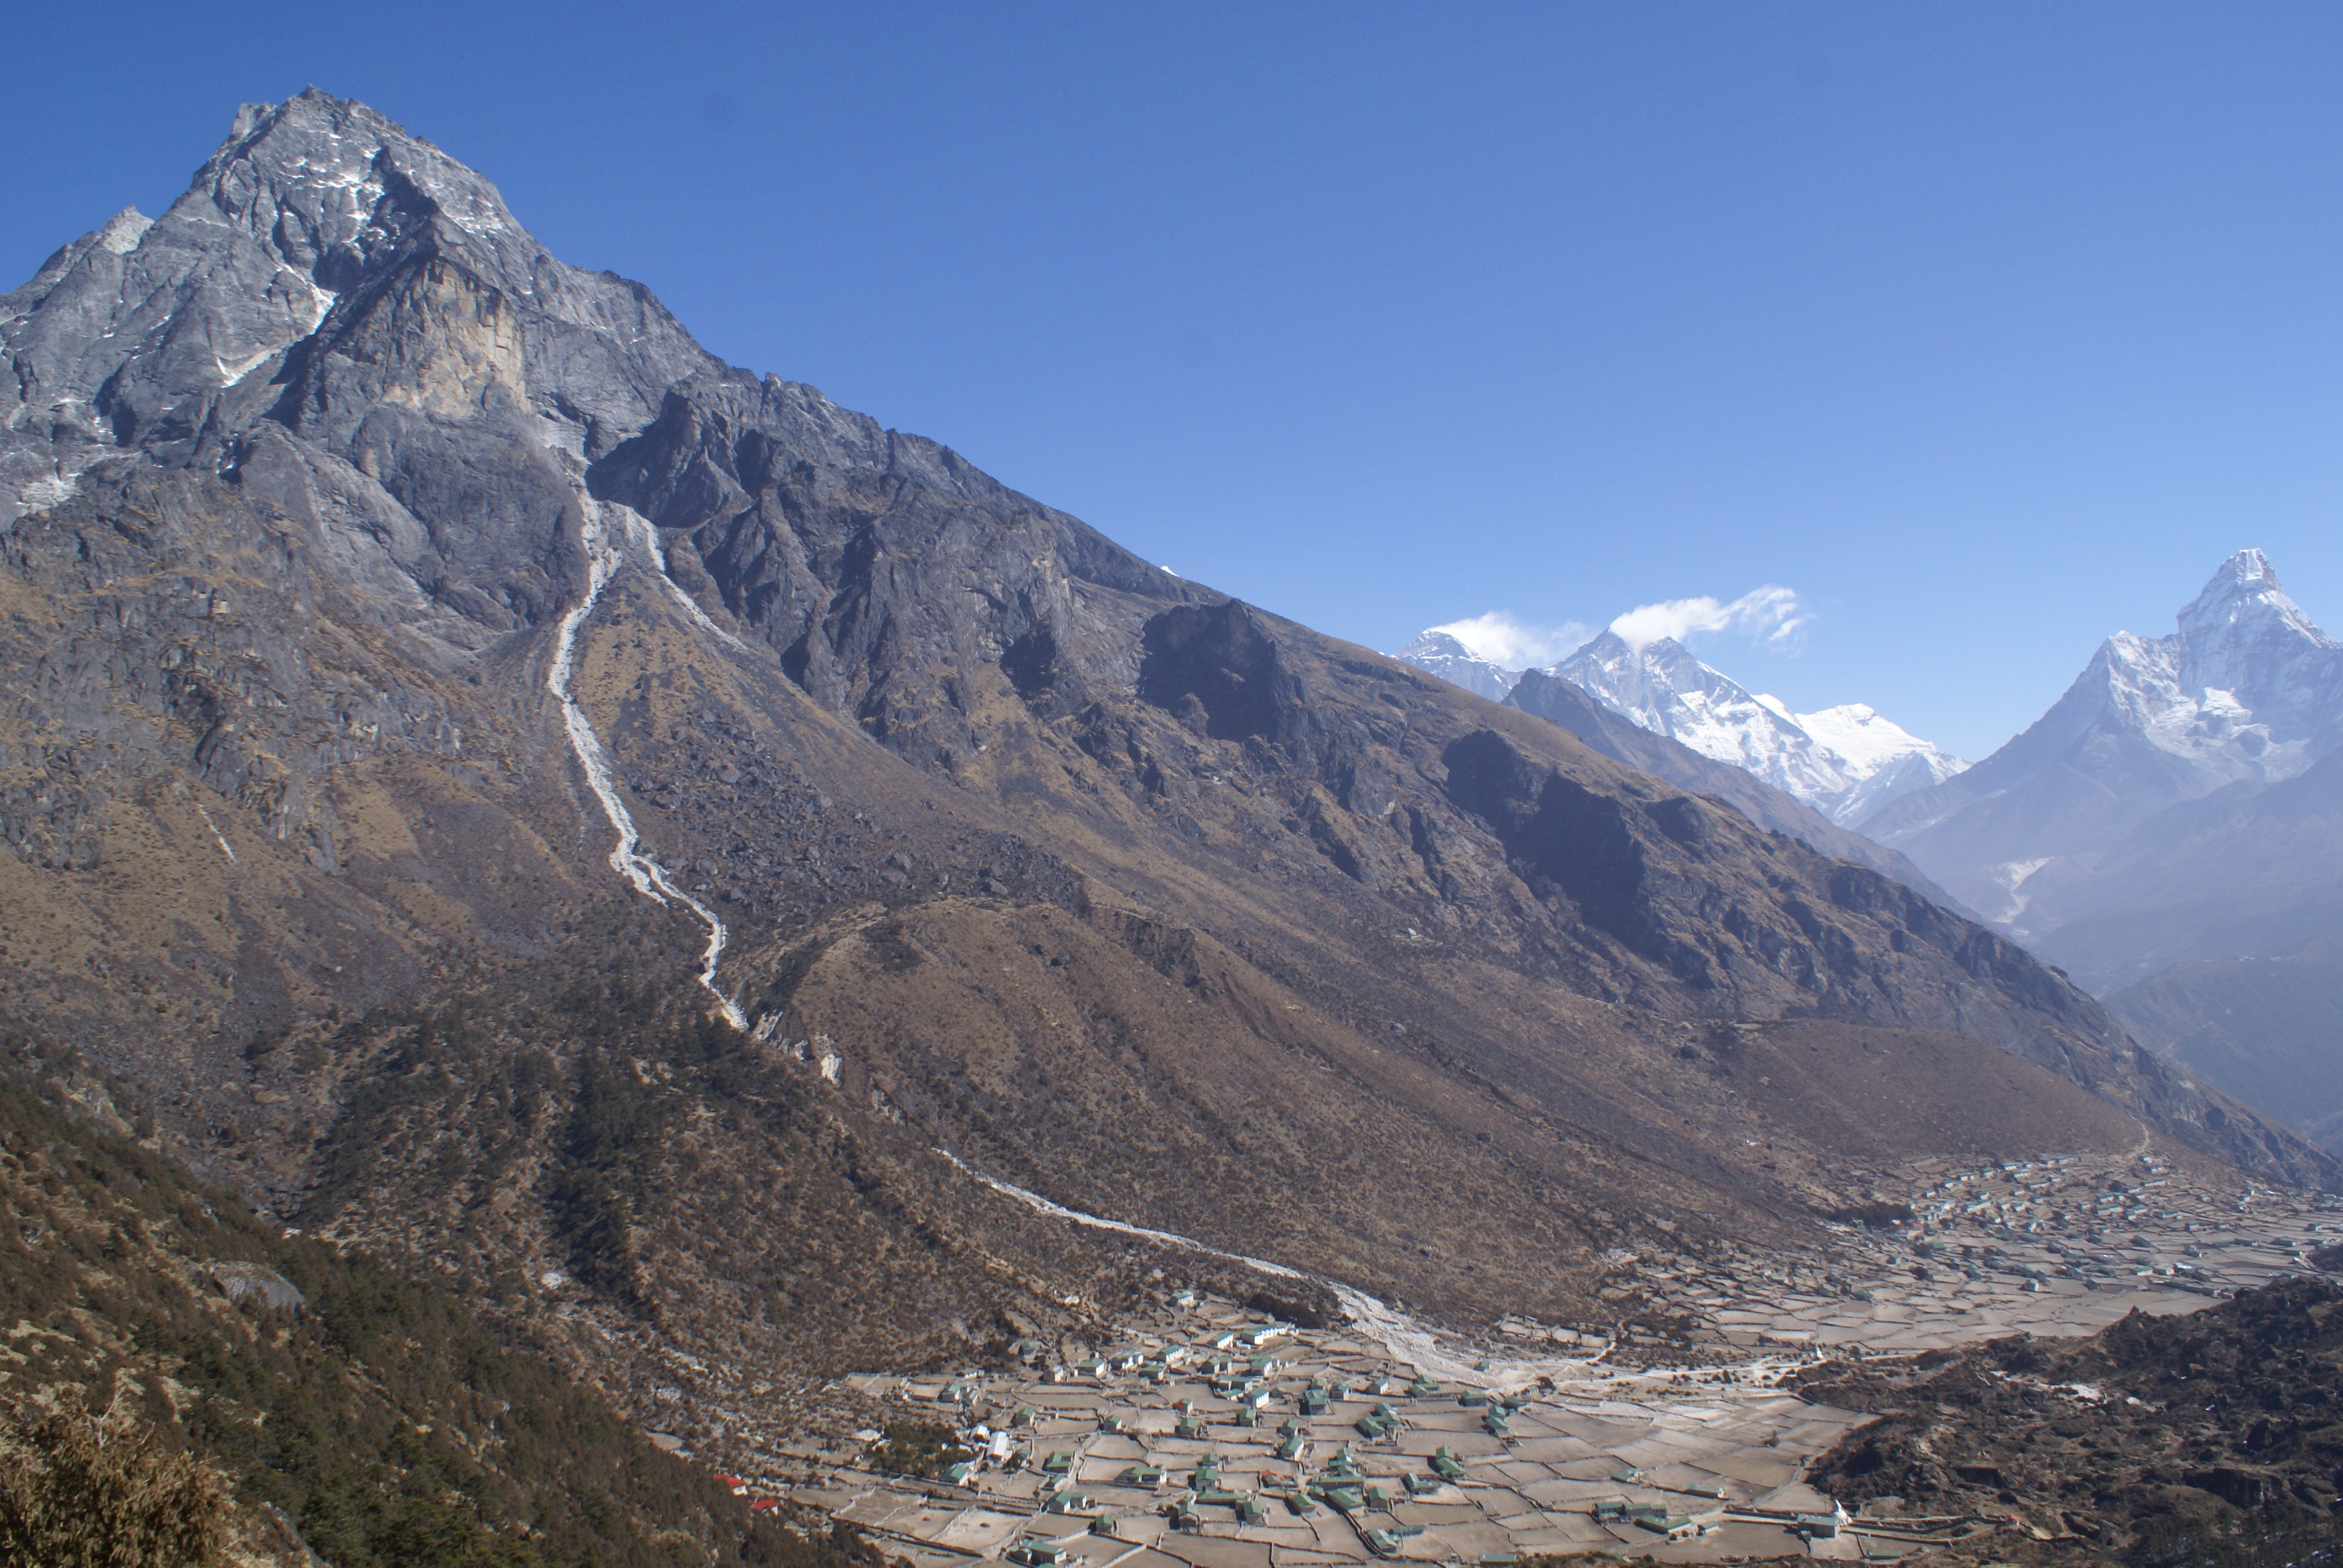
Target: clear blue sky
(1988,329)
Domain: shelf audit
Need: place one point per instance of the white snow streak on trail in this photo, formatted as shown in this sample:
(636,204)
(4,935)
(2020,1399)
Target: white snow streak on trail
(1407,1340)
(628,857)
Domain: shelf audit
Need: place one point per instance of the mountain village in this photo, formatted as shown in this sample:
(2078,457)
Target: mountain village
(1203,1435)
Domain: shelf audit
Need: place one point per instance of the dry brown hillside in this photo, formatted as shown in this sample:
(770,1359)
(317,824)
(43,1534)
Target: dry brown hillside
(1026,852)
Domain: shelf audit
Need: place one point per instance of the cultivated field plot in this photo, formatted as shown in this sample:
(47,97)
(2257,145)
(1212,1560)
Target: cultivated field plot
(1210,1436)
(1216,1438)
(2054,1246)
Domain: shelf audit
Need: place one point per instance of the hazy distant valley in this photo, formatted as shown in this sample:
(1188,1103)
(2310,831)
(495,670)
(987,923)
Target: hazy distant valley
(2160,833)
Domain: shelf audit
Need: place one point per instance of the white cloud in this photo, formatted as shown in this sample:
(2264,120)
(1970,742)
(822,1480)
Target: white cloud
(1771,614)
(1511,644)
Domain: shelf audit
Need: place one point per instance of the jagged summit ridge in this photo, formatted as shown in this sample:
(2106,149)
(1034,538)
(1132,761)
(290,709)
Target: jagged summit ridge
(1663,688)
(266,282)
(1844,762)
(2243,634)
(2245,690)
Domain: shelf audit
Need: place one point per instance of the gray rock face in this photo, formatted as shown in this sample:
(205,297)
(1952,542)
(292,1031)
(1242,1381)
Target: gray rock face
(330,277)
(867,559)
(352,328)
(310,477)
(258,1283)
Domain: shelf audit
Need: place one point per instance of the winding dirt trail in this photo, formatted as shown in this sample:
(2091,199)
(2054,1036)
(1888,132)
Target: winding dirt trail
(1402,1336)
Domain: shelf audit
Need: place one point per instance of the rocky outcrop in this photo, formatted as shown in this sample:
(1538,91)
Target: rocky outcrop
(1551,697)
(868,560)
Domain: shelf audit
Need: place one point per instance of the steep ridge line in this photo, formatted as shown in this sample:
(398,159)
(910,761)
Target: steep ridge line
(628,856)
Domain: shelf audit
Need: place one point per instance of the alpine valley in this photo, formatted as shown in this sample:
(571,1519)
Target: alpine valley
(2166,832)
(562,892)
(2162,833)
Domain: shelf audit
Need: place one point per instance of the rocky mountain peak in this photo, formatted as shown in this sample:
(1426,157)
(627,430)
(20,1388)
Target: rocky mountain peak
(122,231)
(2242,634)
(322,264)
(325,181)
(1446,655)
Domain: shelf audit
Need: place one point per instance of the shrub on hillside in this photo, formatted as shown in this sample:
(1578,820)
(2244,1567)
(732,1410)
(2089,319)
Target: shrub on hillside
(78,1490)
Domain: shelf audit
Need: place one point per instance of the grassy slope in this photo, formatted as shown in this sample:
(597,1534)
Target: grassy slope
(383,1420)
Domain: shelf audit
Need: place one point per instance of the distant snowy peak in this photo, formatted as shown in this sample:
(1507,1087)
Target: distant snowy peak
(1443,655)
(2246,687)
(1843,761)
(1857,732)
(1663,688)
(2243,633)
(2244,693)
(1889,760)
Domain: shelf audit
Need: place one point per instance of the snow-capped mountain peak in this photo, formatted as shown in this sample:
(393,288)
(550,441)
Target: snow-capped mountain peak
(2243,636)
(2246,687)
(1843,761)
(2245,691)
(1856,731)
(1887,759)
(1442,654)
